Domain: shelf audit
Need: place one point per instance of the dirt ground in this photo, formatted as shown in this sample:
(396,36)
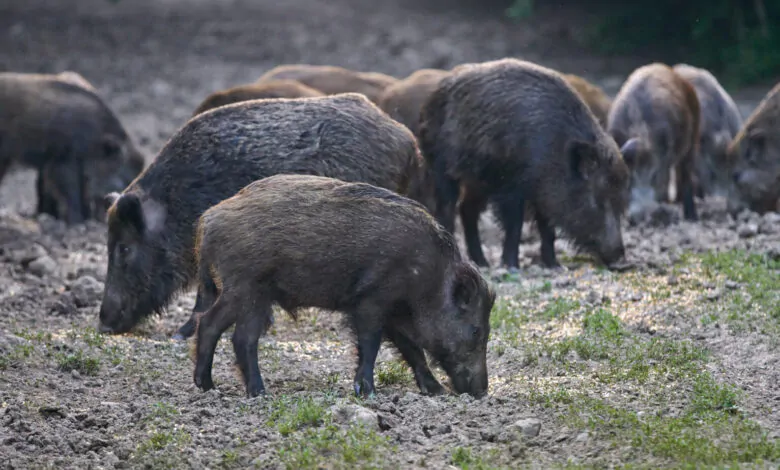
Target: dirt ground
(675,364)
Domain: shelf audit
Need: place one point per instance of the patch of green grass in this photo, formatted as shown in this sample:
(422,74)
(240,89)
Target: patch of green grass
(161,411)
(291,414)
(394,373)
(162,449)
(759,279)
(78,361)
(93,337)
(559,307)
(466,458)
(333,447)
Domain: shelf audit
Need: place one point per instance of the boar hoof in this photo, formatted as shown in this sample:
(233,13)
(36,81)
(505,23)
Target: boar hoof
(434,388)
(364,389)
(204,383)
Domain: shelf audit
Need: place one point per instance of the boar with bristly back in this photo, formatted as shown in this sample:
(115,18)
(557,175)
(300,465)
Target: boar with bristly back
(512,133)
(720,122)
(151,225)
(331,80)
(256,91)
(655,119)
(60,126)
(380,258)
(755,156)
(404,99)
(598,101)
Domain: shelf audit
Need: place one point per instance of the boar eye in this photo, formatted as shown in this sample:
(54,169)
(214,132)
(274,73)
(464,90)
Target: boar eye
(475,331)
(123,249)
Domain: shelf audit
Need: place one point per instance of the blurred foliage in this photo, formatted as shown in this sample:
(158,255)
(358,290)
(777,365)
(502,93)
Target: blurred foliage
(739,39)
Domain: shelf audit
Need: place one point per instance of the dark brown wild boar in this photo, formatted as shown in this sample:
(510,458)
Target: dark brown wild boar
(380,258)
(58,125)
(598,101)
(404,99)
(255,91)
(755,156)
(332,80)
(655,119)
(514,133)
(151,225)
(720,122)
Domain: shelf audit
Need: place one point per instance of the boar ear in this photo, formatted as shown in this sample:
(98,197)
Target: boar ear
(465,287)
(584,159)
(129,211)
(629,150)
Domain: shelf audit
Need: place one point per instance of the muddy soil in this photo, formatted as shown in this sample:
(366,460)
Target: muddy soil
(74,399)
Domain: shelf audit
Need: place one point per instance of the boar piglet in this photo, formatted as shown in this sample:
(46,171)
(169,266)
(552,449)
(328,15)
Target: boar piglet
(720,122)
(256,91)
(60,126)
(655,119)
(308,241)
(755,156)
(513,133)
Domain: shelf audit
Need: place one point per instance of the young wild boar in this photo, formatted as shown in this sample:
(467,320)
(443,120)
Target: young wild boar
(255,91)
(62,128)
(332,80)
(151,225)
(308,241)
(404,99)
(755,153)
(655,119)
(720,122)
(511,132)
(598,101)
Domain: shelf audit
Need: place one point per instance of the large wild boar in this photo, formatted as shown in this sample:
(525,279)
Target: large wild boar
(151,225)
(720,122)
(514,133)
(58,125)
(755,153)
(598,101)
(256,91)
(332,80)
(404,99)
(380,258)
(655,119)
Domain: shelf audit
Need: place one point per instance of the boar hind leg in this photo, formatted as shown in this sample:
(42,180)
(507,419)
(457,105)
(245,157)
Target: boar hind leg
(207,295)
(47,204)
(211,325)
(248,330)
(415,357)
(547,234)
(685,187)
(471,207)
(368,326)
(510,211)
(447,191)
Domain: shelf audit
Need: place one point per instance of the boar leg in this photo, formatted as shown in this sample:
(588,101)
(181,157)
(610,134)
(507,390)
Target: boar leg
(207,295)
(415,357)
(511,212)
(447,191)
(367,319)
(67,180)
(547,234)
(248,330)
(685,187)
(470,209)
(210,327)
(46,203)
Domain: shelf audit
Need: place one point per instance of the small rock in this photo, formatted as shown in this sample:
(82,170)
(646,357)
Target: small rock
(636,297)
(732,285)
(713,295)
(593,298)
(64,305)
(42,266)
(530,427)
(75,374)
(672,280)
(387,422)
(110,459)
(582,437)
(387,408)
(355,414)
(747,230)
(86,291)
(488,435)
